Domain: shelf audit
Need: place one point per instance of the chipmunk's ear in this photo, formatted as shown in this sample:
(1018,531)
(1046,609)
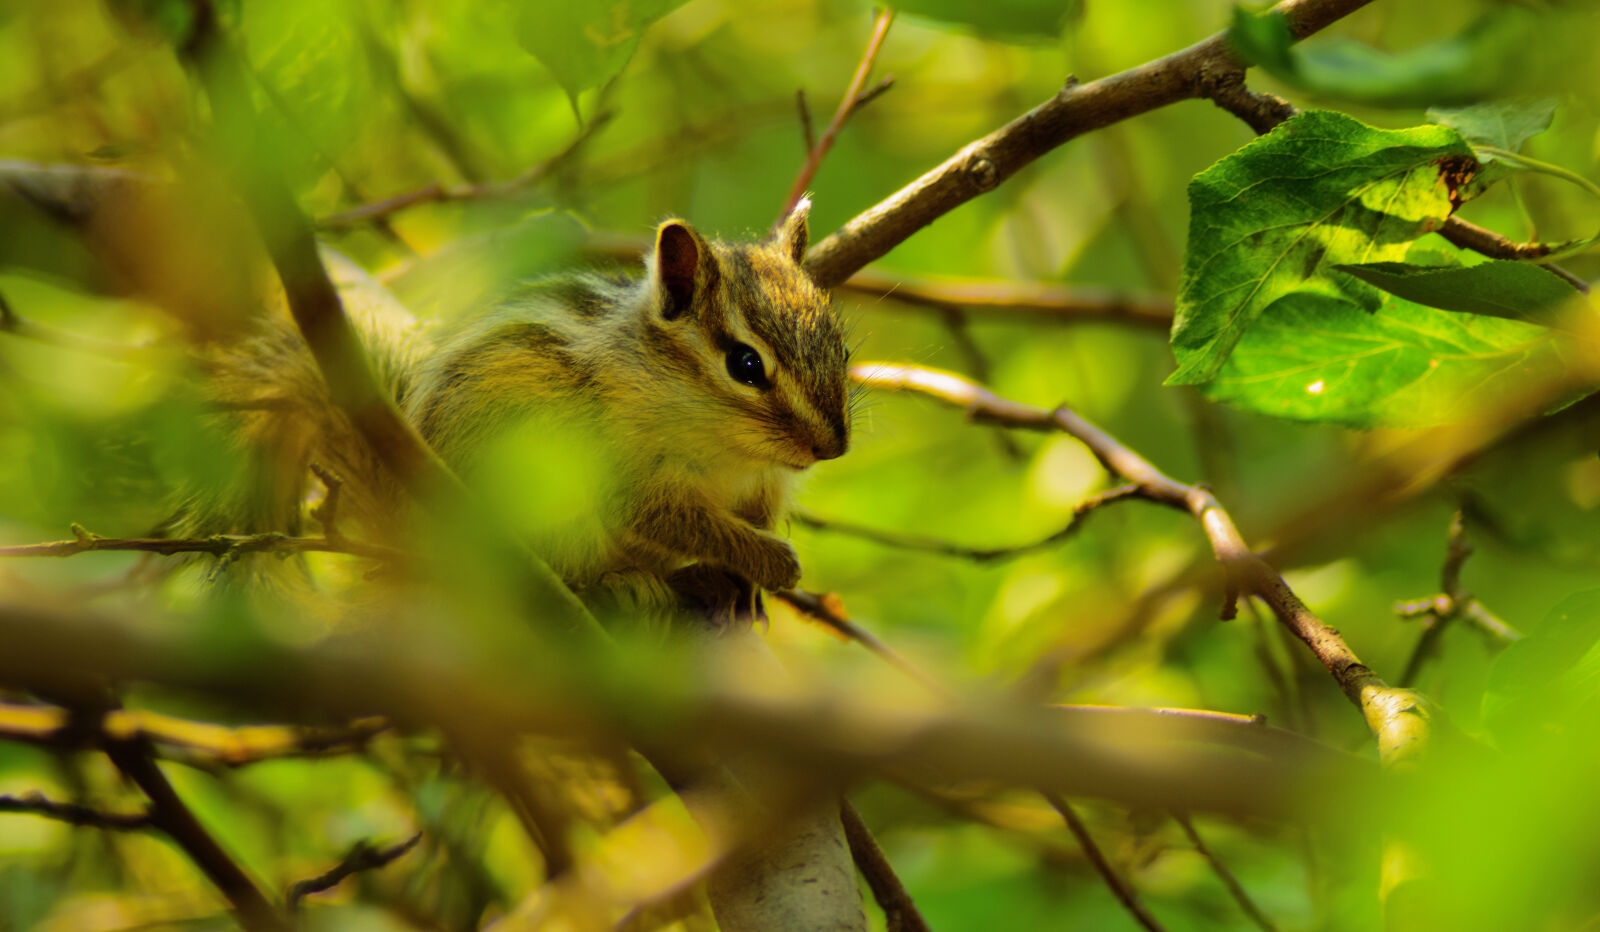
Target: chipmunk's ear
(793,234)
(683,267)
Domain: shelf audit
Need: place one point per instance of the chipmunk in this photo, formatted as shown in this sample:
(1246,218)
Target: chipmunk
(707,384)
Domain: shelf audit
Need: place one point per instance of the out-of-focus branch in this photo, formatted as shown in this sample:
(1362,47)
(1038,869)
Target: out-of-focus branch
(534,687)
(218,545)
(198,742)
(74,814)
(1395,716)
(983,164)
(979,554)
(362,857)
(853,100)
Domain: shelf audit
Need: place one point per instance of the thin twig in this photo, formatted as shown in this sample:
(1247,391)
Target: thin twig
(979,554)
(436,193)
(1120,888)
(74,814)
(1437,612)
(899,912)
(829,610)
(808,133)
(847,106)
(362,857)
(218,545)
(1236,889)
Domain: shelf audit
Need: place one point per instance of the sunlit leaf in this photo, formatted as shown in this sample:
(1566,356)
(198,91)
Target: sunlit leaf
(1271,222)
(1320,358)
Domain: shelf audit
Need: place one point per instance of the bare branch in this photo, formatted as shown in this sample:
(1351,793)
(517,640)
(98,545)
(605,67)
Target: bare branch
(847,106)
(1394,716)
(74,814)
(1235,888)
(362,857)
(1079,108)
(808,133)
(978,554)
(1451,603)
(1120,888)
(899,912)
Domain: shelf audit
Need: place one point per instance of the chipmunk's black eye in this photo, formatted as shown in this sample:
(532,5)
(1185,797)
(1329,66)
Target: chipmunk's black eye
(744,365)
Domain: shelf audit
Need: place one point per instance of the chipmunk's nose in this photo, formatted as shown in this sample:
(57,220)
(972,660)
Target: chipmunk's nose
(831,445)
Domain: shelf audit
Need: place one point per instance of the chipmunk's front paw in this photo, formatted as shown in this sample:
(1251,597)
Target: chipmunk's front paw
(777,566)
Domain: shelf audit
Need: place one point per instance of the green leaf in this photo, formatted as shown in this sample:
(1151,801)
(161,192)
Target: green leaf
(1502,288)
(1538,682)
(1020,20)
(1477,63)
(1273,219)
(1501,124)
(585,43)
(1322,358)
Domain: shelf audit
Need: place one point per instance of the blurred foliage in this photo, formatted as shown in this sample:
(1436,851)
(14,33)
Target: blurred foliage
(365,99)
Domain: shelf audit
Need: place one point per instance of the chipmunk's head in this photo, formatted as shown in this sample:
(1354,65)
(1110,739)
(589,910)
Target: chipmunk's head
(748,327)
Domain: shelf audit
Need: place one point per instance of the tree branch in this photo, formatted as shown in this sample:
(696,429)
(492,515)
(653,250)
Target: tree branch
(982,165)
(899,912)
(1120,888)
(218,545)
(1395,716)
(1235,889)
(73,814)
(361,857)
(853,100)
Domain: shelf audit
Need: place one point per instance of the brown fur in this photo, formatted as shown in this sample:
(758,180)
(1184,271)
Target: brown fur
(698,464)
